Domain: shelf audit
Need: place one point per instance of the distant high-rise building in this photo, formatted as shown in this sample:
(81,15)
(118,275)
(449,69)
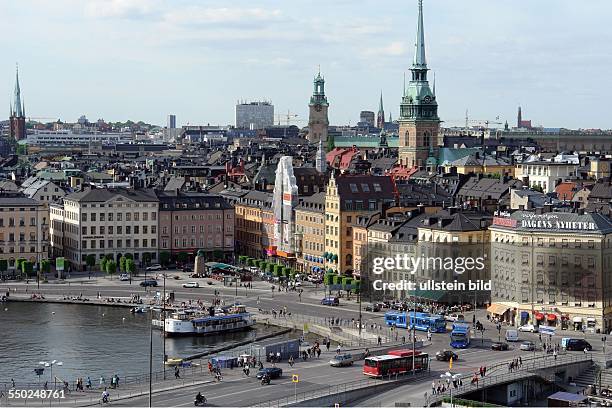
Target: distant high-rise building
(254,115)
(171,122)
(17,114)
(380,119)
(419,123)
(318,122)
(367,117)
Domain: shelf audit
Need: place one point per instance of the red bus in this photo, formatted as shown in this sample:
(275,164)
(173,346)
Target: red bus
(387,364)
(403,353)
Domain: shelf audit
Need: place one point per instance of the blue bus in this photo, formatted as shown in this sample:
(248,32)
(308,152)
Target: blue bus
(460,335)
(421,321)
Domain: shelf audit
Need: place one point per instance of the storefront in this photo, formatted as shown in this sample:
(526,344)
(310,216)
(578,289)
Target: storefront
(501,312)
(577,323)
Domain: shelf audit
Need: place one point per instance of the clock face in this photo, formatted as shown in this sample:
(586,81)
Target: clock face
(318,107)
(427,99)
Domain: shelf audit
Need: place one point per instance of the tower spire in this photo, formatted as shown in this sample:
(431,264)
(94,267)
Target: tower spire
(419,47)
(17,105)
(380,119)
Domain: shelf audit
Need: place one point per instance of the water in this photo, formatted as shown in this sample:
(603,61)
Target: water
(90,341)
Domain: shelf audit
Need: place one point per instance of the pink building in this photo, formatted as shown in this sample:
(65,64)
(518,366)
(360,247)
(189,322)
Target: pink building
(189,222)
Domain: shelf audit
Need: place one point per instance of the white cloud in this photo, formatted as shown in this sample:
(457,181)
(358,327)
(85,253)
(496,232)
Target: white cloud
(121,8)
(394,49)
(204,16)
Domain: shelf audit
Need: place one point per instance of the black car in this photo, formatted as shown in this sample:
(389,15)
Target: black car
(372,308)
(578,345)
(273,372)
(499,346)
(148,282)
(445,355)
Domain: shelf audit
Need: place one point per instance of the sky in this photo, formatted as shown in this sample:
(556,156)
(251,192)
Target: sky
(144,59)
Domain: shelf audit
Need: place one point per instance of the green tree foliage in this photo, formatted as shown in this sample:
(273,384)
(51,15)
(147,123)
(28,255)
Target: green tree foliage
(164,258)
(27,268)
(130,266)
(122,261)
(111,268)
(90,260)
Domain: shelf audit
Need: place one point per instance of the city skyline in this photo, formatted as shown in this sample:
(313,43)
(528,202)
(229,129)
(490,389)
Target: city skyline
(204,57)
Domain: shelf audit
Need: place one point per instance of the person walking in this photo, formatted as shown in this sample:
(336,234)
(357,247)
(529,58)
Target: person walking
(177,373)
(291,362)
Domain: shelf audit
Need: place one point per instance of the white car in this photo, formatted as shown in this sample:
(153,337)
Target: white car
(528,328)
(156,267)
(455,317)
(124,277)
(191,285)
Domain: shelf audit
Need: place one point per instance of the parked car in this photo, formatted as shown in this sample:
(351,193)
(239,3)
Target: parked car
(499,346)
(124,277)
(273,372)
(372,308)
(445,355)
(343,360)
(381,305)
(528,328)
(330,301)
(187,269)
(156,267)
(527,346)
(253,269)
(191,285)
(148,282)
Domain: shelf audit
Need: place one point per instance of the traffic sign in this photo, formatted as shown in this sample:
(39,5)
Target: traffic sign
(295,378)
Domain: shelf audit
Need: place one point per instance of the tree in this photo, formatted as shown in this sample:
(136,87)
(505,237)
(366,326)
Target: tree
(182,257)
(111,268)
(103,263)
(130,266)
(27,268)
(45,266)
(164,258)
(90,261)
(3,265)
(129,256)
(122,261)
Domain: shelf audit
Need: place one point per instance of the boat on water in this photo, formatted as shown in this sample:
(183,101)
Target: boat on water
(138,310)
(194,322)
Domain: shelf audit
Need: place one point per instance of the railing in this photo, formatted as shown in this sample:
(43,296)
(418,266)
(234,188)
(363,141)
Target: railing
(524,370)
(339,388)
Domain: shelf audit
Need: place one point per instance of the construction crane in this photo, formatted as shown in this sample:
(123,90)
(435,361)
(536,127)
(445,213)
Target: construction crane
(288,117)
(481,122)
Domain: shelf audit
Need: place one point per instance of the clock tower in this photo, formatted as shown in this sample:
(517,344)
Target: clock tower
(419,122)
(317,119)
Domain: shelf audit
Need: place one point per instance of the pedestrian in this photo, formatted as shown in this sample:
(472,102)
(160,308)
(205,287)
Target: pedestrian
(433,387)
(12,383)
(102,381)
(327,345)
(88,383)
(403,339)
(318,352)
(379,341)
(291,362)
(177,374)
(278,356)
(338,349)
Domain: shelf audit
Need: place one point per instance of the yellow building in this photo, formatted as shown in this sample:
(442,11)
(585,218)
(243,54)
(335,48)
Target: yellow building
(310,233)
(475,163)
(347,197)
(249,227)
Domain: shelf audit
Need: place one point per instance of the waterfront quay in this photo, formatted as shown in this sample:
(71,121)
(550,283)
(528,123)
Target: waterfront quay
(303,312)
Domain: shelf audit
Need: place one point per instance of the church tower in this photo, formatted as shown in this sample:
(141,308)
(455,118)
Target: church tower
(317,120)
(380,118)
(419,123)
(17,114)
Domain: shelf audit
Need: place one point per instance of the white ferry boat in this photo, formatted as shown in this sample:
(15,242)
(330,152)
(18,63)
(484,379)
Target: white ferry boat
(190,322)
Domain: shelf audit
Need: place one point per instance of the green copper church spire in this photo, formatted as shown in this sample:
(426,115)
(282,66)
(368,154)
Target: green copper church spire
(419,46)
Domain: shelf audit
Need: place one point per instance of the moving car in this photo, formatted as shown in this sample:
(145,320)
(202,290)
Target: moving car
(527,346)
(445,355)
(124,277)
(156,267)
(455,317)
(148,282)
(512,335)
(343,360)
(372,308)
(330,301)
(499,346)
(191,285)
(273,372)
(576,344)
(528,328)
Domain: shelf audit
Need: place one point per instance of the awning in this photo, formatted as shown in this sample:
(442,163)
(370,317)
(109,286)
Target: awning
(539,316)
(577,319)
(498,309)
(524,315)
(591,319)
(551,317)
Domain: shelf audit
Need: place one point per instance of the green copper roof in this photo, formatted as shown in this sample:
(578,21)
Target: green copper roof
(419,46)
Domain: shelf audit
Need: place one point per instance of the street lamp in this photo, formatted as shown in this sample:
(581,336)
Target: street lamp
(450,377)
(50,364)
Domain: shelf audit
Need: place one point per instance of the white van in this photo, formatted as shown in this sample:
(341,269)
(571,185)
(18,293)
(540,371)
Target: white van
(512,335)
